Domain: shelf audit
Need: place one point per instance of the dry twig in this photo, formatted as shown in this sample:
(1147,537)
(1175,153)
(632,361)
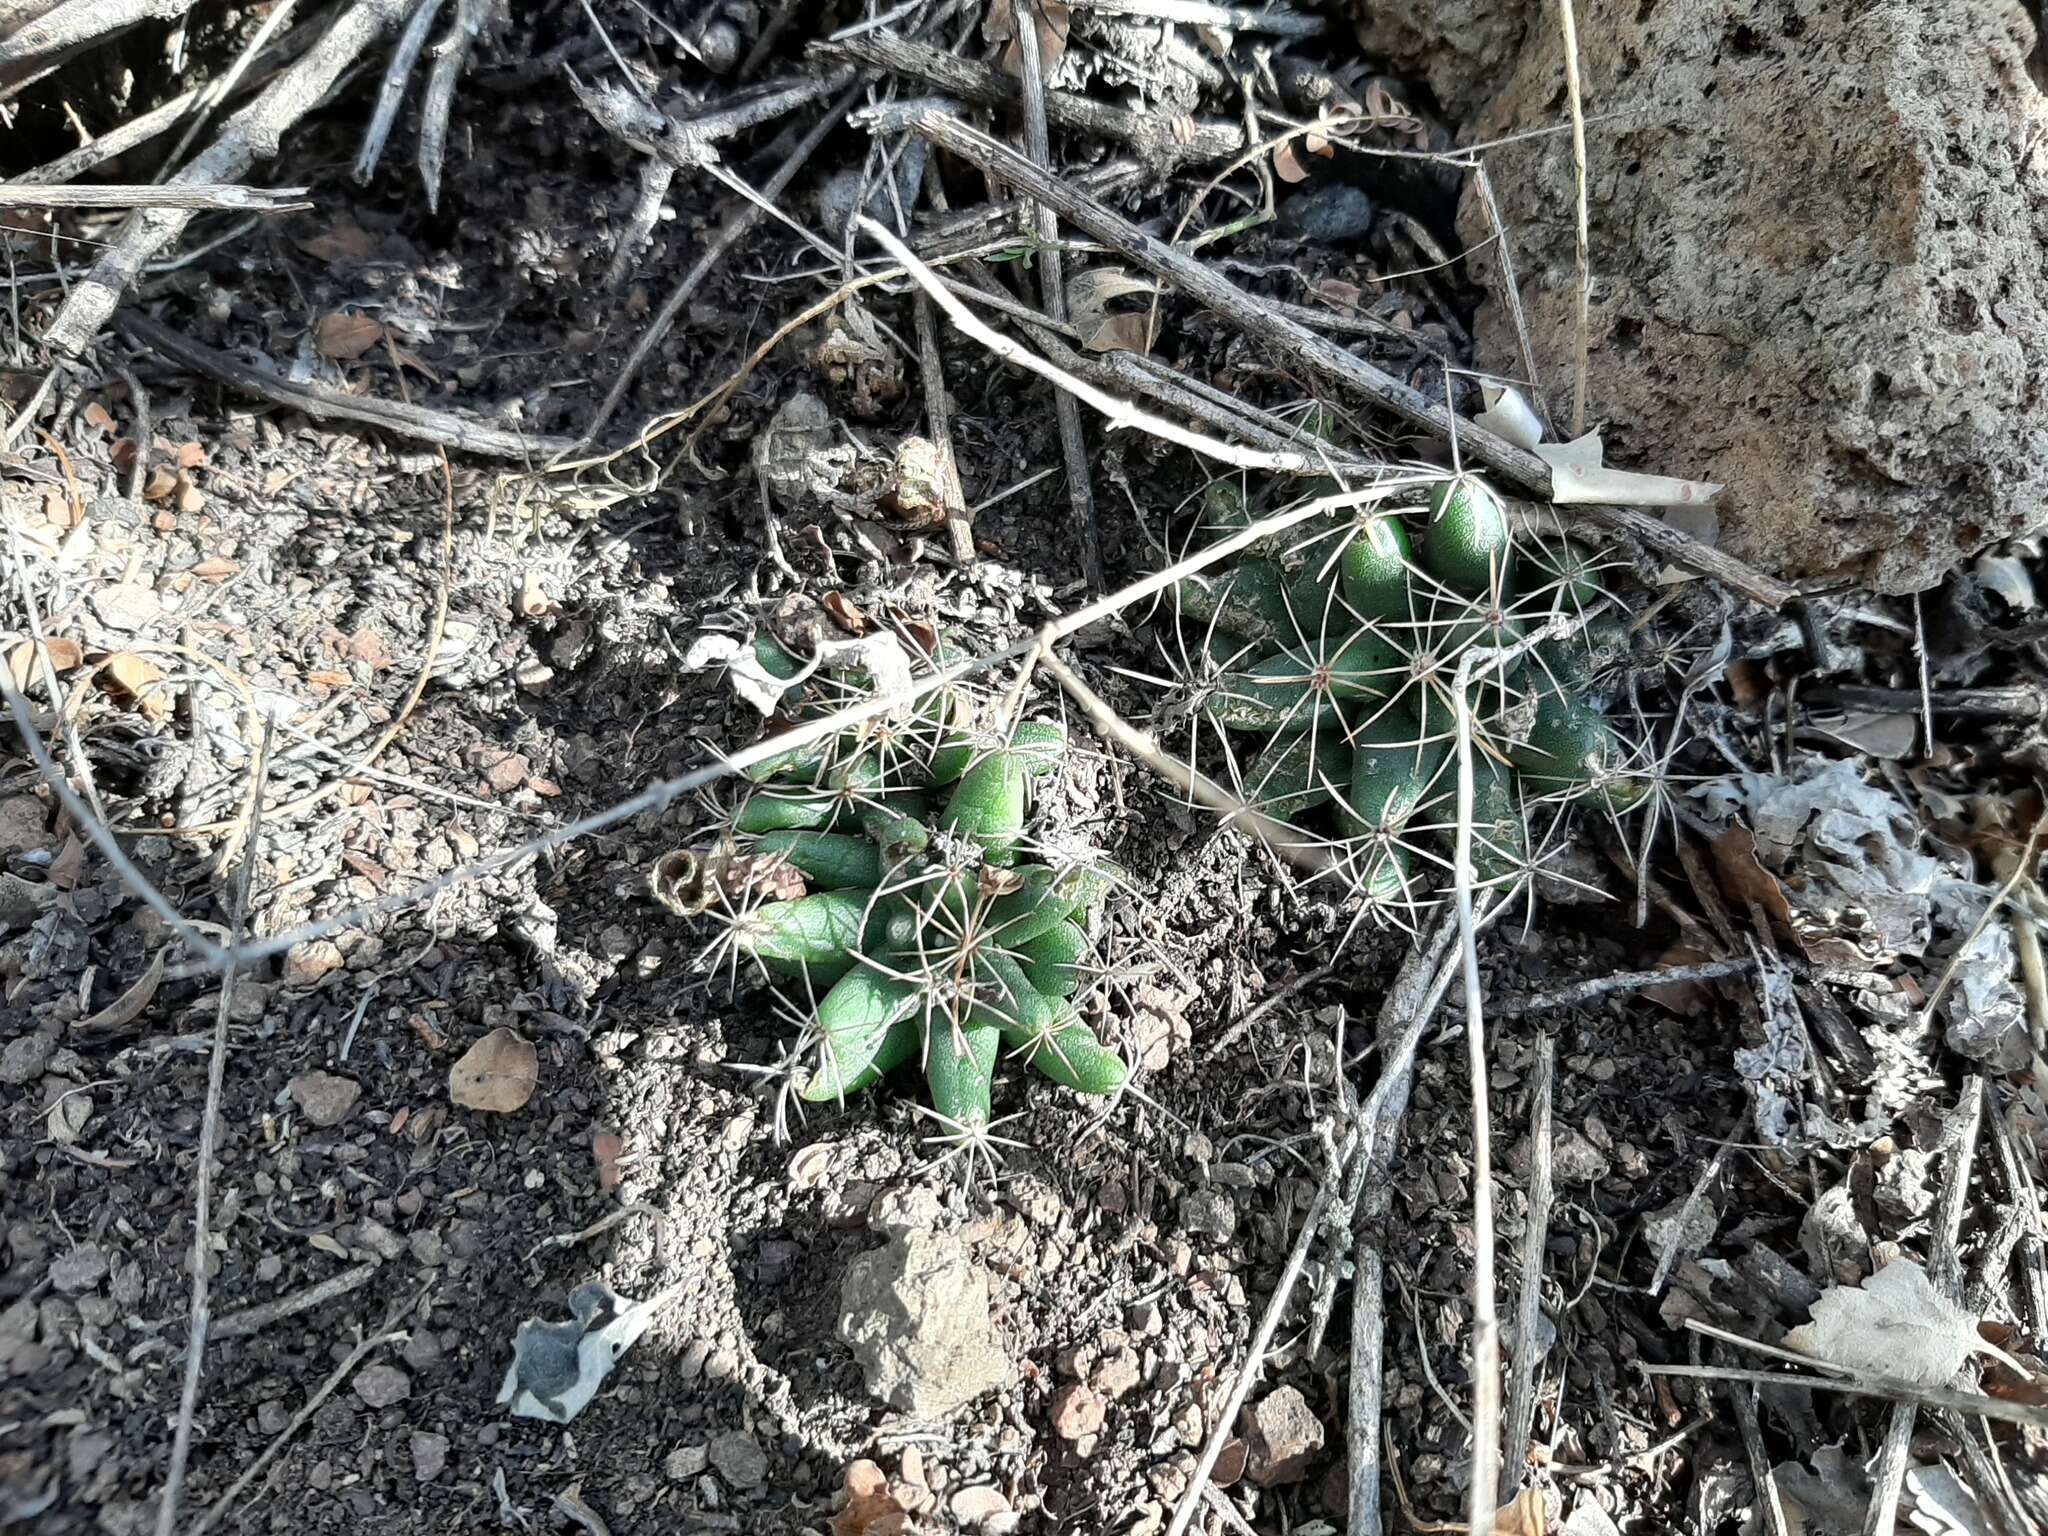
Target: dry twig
(209,1136)
(445,428)
(252,134)
(1526,1374)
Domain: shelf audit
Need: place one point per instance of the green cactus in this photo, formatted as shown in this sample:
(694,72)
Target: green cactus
(886,875)
(1344,640)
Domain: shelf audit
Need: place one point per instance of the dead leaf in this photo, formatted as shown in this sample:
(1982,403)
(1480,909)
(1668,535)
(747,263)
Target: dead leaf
(497,1074)
(1895,1324)
(135,680)
(216,568)
(344,241)
(428,1034)
(1055,21)
(743,670)
(1526,1516)
(605,1149)
(1287,161)
(68,865)
(1089,296)
(64,654)
(191,456)
(125,1008)
(98,417)
(1744,879)
(344,337)
(844,614)
(161,483)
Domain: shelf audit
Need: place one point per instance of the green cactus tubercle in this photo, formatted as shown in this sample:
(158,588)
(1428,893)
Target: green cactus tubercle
(1341,645)
(904,901)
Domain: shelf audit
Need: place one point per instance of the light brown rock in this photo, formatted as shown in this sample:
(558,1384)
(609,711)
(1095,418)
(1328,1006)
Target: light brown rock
(1282,1436)
(1816,246)
(1077,1411)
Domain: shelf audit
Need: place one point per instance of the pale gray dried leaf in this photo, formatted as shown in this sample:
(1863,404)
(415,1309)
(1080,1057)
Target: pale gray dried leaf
(497,1074)
(1829,1499)
(127,1008)
(743,670)
(1939,1503)
(2007,576)
(1896,1325)
(557,1367)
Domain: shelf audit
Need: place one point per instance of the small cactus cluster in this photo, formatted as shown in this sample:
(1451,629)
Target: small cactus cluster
(884,875)
(1323,666)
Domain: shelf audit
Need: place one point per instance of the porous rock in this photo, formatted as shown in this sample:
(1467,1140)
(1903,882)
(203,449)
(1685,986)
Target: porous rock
(1282,1435)
(1817,276)
(915,1314)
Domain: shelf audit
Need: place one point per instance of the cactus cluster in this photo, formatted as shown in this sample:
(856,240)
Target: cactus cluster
(1322,667)
(883,877)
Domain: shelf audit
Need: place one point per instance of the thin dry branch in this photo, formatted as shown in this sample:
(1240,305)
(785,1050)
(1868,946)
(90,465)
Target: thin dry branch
(451,55)
(1155,136)
(1052,289)
(1118,411)
(1276,20)
(1312,856)
(75,24)
(252,134)
(188,196)
(736,228)
(391,94)
(460,433)
(1526,1374)
(202,1202)
(1582,299)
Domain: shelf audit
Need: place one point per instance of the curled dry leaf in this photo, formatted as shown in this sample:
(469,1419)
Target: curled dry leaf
(136,681)
(345,337)
(22,665)
(1089,296)
(497,1074)
(844,613)
(127,1008)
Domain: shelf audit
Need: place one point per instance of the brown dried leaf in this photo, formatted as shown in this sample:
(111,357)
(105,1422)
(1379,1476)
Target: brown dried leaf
(98,417)
(161,483)
(137,681)
(191,455)
(1744,879)
(344,337)
(605,1149)
(1089,297)
(867,1507)
(1287,161)
(844,613)
(216,568)
(1526,1516)
(64,654)
(1055,21)
(498,1074)
(344,241)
